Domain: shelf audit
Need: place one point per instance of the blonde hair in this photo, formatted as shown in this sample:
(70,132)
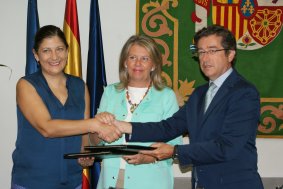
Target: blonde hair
(155,55)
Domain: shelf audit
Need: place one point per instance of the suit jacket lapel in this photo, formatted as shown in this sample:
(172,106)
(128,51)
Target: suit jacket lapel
(221,93)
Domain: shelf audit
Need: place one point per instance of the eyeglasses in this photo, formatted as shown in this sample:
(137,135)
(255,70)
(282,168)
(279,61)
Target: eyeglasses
(142,59)
(201,53)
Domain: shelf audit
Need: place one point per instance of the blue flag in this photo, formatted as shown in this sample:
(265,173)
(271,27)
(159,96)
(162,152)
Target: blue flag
(32,27)
(96,77)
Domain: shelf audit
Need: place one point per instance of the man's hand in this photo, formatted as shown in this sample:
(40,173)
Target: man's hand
(109,133)
(106,132)
(162,151)
(109,119)
(124,127)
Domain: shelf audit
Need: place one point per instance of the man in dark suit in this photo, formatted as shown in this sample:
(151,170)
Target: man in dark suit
(221,118)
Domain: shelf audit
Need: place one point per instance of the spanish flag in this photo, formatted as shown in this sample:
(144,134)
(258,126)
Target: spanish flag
(85,179)
(74,66)
(72,33)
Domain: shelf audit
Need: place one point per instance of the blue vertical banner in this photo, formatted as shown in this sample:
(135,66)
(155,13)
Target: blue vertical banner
(96,77)
(32,27)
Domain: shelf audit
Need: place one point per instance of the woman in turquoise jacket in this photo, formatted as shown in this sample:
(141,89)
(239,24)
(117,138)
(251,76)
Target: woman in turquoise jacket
(140,96)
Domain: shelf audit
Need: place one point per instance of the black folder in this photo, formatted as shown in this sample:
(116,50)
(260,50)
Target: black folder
(108,151)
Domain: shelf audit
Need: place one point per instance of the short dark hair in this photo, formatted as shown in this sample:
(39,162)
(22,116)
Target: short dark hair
(47,32)
(228,39)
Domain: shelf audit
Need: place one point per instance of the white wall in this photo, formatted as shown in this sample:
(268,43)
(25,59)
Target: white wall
(118,23)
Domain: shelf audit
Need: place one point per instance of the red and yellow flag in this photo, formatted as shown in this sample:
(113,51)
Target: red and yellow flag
(85,180)
(74,65)
(72,33)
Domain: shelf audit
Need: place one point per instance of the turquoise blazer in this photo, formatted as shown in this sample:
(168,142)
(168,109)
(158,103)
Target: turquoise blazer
(156,106)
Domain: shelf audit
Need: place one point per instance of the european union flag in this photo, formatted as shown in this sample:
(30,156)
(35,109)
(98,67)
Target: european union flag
(32,27)
(96,77)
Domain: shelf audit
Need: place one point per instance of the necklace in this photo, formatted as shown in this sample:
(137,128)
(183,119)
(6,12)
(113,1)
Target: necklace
(134,106)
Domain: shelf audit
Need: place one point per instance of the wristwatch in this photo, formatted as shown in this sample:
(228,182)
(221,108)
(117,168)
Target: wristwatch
(175,153)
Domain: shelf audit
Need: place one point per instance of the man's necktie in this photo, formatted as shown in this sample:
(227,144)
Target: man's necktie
(209,95)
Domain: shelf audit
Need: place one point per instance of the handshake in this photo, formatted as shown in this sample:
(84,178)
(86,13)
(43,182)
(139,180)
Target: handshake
(105,127)
(108,128)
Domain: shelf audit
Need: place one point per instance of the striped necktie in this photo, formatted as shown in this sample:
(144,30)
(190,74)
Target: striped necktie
(209,95)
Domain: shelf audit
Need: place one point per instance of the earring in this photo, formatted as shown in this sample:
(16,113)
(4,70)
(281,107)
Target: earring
(126,66)
(152,69)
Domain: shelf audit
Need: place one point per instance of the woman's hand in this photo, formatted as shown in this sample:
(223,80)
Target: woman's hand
(86,162)
(106,132)
(105,117)
(139,159)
